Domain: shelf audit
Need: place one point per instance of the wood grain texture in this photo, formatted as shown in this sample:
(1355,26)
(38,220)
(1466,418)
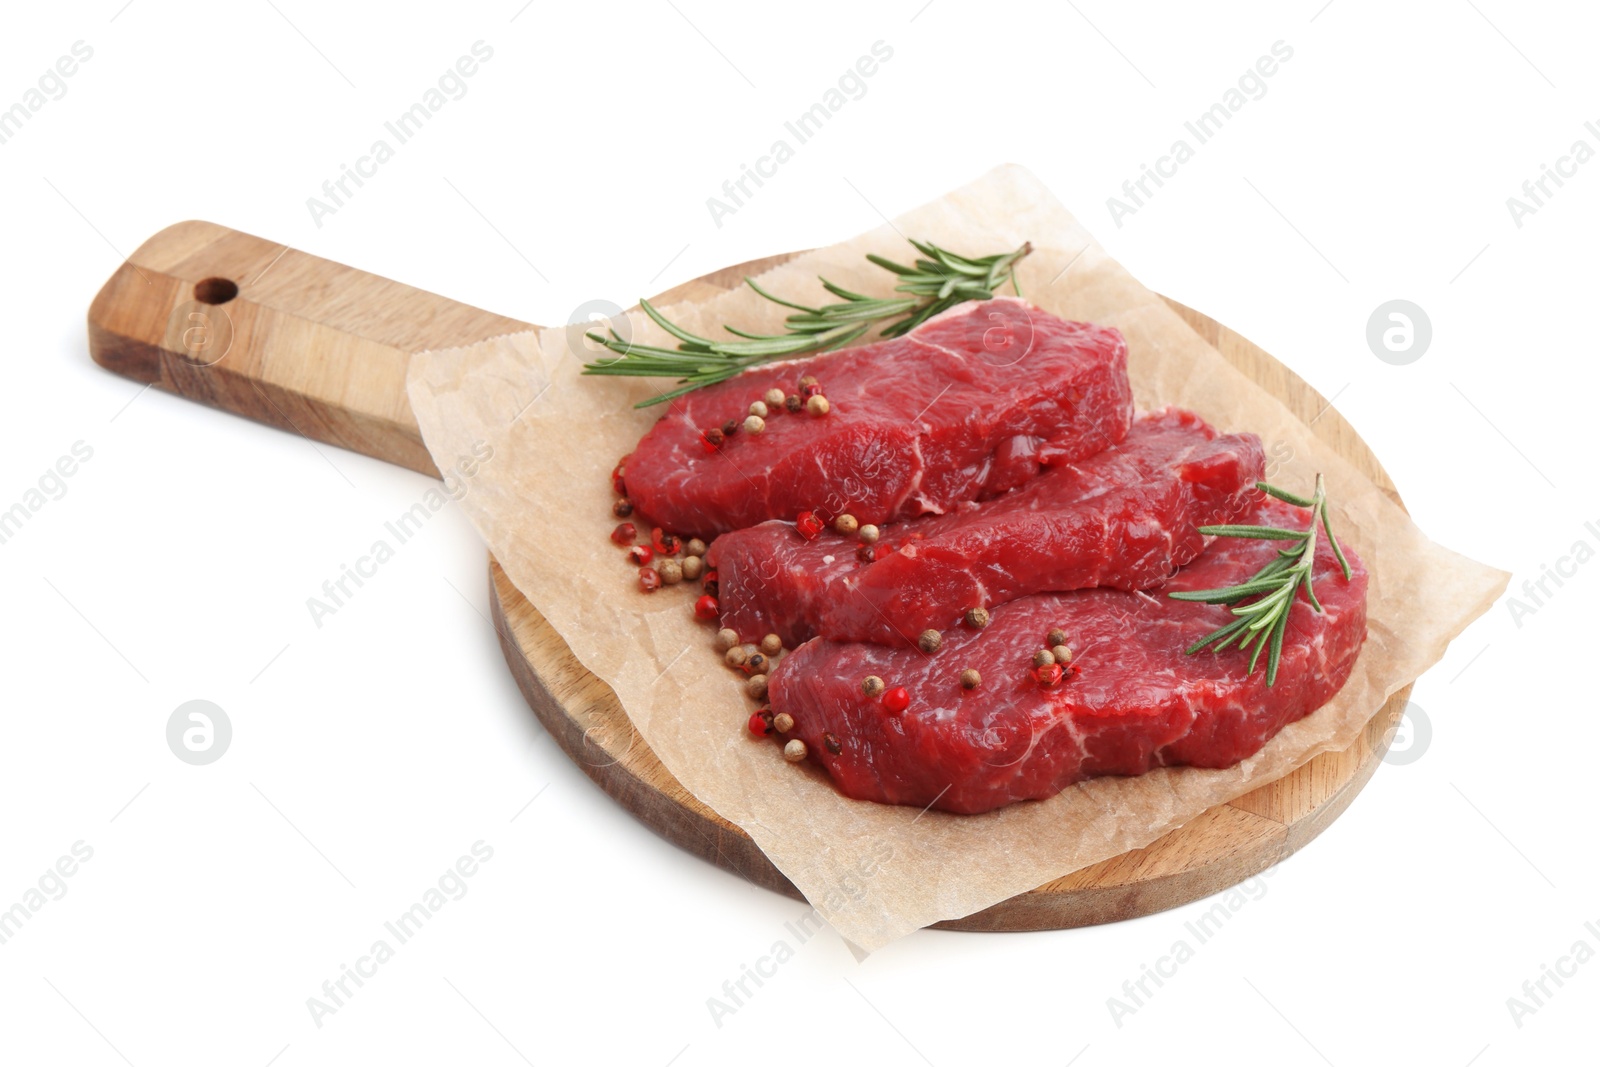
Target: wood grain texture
(321,349)
(307,345)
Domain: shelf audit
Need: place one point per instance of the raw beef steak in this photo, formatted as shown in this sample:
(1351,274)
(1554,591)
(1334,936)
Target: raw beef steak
(1125,518)
(968,405)
(1136,701)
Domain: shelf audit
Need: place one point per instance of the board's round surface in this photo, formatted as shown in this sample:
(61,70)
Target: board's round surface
(1219,849)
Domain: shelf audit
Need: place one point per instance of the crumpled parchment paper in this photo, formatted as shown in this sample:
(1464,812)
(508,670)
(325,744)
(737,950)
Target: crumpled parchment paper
(543,505)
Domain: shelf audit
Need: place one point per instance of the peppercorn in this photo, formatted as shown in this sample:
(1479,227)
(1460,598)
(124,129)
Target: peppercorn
(807,525)
(792,404)
(692,566)
(665,543)
(727,638)
(695,547)
(896,700)
(831,743)
(970,678)
(735,656)
(1048,675)
(706,608)
(757,724)
(783,722)
(846,524)
(624,533)
(758,409)
(671,571)
(817,405)
(755,424)
(977,618)
(794,750)
(730,427)
(772,644)
(868,534)
(617,473)
(1043,658)
(622,508)
(808,381)
(649,580)
(1058,636)
(756,663)
(872,685)
(757,686)
(713,438)
(1062,653)
(865,553)
(929,641)
(773,398)
(640,555)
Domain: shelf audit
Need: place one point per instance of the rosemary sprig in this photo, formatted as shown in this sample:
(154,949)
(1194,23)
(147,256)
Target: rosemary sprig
(1262,622)
(933,284)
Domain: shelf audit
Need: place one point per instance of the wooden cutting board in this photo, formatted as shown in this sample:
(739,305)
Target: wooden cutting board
(320,349)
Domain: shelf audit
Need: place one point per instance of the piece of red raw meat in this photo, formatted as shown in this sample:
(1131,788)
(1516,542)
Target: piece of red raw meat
(1125,518)
(1136,701)
(968,405)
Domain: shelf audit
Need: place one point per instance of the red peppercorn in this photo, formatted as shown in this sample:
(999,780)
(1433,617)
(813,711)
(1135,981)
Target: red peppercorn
(730,427)
(640,555)
(1047,676)
(896,700)
(809,391)
(649,579)
(706,608)
(666,544)
(808,525)
(617,474)
(758,725)
(712,439)
(624,533)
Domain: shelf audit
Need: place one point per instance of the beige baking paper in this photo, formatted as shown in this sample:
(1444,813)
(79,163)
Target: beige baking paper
(543,505)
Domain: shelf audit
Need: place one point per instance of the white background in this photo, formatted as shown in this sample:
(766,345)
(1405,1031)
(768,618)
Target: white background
(371,753)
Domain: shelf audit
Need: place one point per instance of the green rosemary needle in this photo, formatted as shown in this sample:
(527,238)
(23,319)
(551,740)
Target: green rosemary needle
(931,285)
(1262,622)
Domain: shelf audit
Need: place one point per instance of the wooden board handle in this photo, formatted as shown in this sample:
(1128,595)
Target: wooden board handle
(279,336)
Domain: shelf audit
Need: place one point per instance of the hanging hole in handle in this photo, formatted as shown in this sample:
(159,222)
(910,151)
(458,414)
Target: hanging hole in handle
(215,290)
